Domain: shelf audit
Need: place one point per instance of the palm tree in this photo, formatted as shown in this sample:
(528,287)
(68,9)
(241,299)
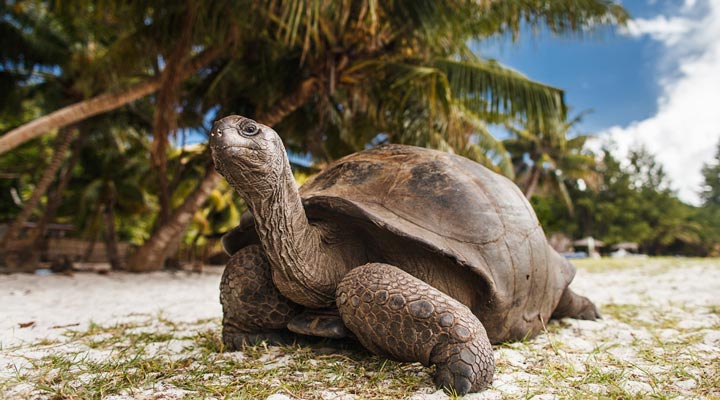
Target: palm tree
(391,66)
(112,58)
(113,182)
(96,105)
(133,38)
(403,68)
(165,240)
(546,153)
(37,239)
(388,65)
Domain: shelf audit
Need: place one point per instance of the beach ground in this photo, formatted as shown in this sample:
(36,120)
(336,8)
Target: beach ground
(157,336)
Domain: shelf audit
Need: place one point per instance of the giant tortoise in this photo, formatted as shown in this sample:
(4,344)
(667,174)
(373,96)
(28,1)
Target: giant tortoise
(420,255)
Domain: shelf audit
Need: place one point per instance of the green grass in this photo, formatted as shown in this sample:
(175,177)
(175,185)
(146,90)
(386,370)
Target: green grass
(134,359)
(202,368)
(657,264)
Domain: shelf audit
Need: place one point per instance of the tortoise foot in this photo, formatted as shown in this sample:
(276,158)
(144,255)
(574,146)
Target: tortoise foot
(572,305)
(464,367)
(395,314)
(253,308)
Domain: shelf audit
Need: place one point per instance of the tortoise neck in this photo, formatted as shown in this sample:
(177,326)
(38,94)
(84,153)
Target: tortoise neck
(293,246)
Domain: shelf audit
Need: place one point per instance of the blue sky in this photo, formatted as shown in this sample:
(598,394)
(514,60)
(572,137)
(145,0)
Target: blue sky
(654,83)
(592,70)
(607,72)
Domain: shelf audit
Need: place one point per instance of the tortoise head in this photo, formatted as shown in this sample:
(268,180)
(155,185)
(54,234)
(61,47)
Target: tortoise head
(249,155)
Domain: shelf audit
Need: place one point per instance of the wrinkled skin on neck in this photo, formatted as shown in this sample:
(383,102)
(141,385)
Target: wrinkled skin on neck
(252,158)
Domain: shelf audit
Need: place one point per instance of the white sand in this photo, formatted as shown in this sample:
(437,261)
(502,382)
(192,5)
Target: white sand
(56,301)
(687,292)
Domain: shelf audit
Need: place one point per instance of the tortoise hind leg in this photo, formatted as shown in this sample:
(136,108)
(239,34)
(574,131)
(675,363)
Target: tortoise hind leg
(395,314)
(253,308)
(573,305)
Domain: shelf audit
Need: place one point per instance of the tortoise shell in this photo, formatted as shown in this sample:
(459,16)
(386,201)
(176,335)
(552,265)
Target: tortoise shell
(452,206)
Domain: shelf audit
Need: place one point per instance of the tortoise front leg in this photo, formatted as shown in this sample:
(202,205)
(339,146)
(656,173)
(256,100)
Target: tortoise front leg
(253,308)
(397,315)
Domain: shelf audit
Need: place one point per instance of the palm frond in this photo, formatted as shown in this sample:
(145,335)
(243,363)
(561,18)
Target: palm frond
(559,16)
(483,146)
(397,90)
(313,24)
(578,142)
(486,87)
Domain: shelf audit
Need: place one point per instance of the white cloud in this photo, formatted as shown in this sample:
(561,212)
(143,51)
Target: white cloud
(660,28)
(686,127)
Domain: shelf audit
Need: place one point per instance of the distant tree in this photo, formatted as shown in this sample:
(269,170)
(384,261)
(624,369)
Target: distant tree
(711,175)
(545,152)
(631,203)
(708,215)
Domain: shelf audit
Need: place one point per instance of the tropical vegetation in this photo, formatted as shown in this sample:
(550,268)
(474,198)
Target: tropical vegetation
(634,202)
(107,104)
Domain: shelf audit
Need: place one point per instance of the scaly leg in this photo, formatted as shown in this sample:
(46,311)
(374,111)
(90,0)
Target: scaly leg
(397,315)
(573,305)
(253,308)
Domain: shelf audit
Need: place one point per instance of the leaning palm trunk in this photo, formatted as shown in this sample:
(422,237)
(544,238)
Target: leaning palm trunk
(97,105)
(74,113)
(290,103)
(532,182)
(153,253)
(63,142)
(37,241)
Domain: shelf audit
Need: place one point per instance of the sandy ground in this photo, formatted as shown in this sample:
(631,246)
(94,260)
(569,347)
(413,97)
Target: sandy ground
(660,335)
(55,302)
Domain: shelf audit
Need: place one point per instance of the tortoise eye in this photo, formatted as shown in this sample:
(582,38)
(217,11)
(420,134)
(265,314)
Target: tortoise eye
(250,130)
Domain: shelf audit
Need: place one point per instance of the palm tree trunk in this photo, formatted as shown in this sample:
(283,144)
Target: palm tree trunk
(91,247)
(74,113)
(532,181)
(111,237)
(38,243)
(55,198)
(165,117)
(96,105)
(290,103)
(62,143)
(153,253)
